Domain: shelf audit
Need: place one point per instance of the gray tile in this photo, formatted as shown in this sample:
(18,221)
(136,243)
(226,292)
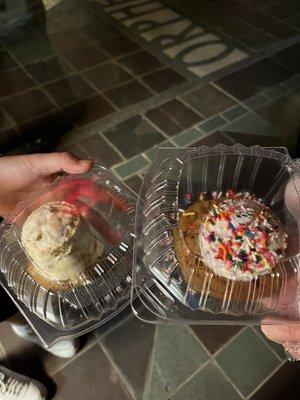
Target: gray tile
(163,121)
(256,101)
(259,40)
(214,337)
(178,111)
(130,167)
(85,57)
(284,384)
(128,94)
(208,100)
(253,124)
(213,139)
(187,137)
(247,361)
(47,70)
(212,124)
(98,31)
(36,104)
(294,21)
(89,110)
(278,348)
(254,78)
(276,11)
(282,31)
(118,45)
(275,91)
(130,346)
(6,61)
(141,62)
(97,148)
(284,115)
(107,75)
(176,366)
(69,90)
(13,81)
(134,136)
(289,57)
(235,112)
(31,51)
(163,80)
(208,383)
(68,40)
(87,377)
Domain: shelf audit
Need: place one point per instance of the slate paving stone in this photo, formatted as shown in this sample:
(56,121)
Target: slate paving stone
(208,100)
(290,57)
(107,75)
(182,114)
(213,139)
(163,80)
(6,61)
(173,367)
(134,136)
(255,78)
(98,31)
(208,383)
(33,50)
(130,346)
(36,103)
(163,121)
(89,110)
(98,375)
(68,40)
(85,57)
(13,81)
(214,337)
(142,62)
(128,94)
(43,133)
(47,70)
(247,361)
(118,45)
(69,90)
(284,115)
(98,148)
(259,40)
(284,384)
(282,31)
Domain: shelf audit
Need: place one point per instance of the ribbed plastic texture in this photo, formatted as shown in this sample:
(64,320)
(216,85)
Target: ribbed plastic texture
(99,291)
(169,295)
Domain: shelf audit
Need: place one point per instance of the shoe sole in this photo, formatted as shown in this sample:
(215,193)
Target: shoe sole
(25,379)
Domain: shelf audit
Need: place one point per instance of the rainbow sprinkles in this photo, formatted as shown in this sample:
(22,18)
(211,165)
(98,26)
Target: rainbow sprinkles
(240,237)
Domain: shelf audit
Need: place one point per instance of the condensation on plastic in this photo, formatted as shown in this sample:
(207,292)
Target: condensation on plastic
(163,293)
(103,290)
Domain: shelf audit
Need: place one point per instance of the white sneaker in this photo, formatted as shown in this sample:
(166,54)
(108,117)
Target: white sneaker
(62,349)
(14,386)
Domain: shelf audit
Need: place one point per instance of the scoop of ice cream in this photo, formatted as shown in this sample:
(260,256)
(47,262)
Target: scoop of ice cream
(241,237)
(59,241)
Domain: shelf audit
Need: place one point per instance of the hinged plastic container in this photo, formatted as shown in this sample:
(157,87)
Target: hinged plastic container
(174,290)
(97,212)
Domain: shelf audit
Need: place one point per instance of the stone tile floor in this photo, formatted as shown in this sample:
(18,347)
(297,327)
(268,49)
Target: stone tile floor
(113,80)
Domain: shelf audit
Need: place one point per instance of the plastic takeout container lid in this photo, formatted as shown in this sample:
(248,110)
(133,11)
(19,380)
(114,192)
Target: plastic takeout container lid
(68,287)
(173,290)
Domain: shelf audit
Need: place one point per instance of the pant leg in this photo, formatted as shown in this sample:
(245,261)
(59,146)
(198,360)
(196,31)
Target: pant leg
(7,307)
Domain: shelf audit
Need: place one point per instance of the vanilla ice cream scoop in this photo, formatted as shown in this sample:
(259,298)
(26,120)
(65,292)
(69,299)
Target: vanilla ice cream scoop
(59,241)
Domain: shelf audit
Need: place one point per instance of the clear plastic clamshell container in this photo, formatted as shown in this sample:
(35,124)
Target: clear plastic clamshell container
(66,254)
(170,279)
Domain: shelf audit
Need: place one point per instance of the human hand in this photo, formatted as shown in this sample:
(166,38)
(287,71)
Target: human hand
(286,331)
(22,175)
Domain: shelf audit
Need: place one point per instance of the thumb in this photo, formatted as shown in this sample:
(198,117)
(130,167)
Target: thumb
(51,163)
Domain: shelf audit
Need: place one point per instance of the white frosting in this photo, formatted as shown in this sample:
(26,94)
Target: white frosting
(59,241)
(244,230)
